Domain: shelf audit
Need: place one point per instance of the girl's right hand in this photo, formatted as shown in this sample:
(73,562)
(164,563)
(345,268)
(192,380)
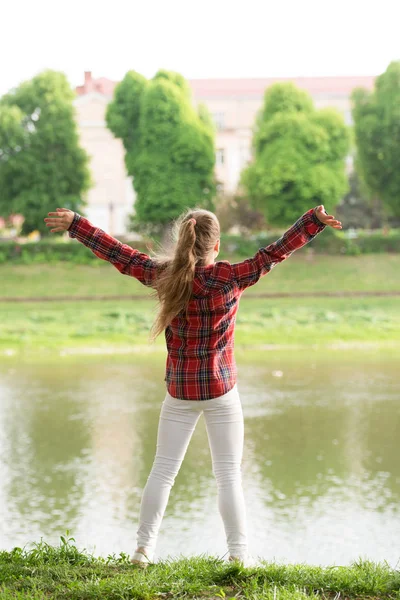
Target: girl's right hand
(60,220)
(326,219)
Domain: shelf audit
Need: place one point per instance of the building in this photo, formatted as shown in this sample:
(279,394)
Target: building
(233,104)
(111,198)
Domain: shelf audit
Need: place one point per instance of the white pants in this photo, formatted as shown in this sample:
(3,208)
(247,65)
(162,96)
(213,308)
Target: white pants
(178,419)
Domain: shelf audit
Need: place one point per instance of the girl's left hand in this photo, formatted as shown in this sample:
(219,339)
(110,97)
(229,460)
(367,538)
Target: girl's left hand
(326,219)
(60,220)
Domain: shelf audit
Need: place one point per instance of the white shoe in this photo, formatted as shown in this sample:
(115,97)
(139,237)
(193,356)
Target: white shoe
(141,558)
(248,562)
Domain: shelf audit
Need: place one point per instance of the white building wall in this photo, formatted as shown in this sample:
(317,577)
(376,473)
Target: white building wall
(111,198)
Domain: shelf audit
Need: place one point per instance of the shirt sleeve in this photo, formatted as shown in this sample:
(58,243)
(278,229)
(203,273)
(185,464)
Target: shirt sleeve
(124,258)
(249,271)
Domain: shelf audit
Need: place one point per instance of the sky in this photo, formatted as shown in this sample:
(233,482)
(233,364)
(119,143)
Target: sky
(200,39)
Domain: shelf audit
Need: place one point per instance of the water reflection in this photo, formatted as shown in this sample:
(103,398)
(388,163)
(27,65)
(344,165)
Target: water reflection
(321,466)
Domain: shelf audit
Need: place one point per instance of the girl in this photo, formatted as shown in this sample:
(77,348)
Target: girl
(198,302)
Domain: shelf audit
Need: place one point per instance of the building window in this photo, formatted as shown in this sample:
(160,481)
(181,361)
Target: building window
(220,157)
(219,120)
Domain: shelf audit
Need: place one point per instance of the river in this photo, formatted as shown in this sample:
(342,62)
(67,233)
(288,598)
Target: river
(321,466)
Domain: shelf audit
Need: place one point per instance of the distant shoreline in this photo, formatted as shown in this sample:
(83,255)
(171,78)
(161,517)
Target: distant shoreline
(142,349)
(328,294)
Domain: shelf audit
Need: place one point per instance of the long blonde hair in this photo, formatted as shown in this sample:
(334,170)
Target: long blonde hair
(195,233)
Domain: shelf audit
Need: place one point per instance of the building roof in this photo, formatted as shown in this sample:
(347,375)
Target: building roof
(102,85)
(243,87)
(257,87)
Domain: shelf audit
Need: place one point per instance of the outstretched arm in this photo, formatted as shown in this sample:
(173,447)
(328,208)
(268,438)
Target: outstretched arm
(248,272)
(124,258)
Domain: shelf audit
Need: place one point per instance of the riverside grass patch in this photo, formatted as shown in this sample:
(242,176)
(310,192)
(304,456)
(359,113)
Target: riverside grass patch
(303,272)
(65,572)
(306,322)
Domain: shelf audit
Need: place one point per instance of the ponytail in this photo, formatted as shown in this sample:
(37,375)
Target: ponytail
(175,284)
(197,233)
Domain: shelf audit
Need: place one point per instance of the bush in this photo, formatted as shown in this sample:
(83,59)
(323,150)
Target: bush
(49,251)
(245,246)
(379,242)
(330,242)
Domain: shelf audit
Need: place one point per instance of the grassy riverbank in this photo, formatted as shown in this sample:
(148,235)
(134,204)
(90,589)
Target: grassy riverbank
(301,273)
(262,323)
(64,572)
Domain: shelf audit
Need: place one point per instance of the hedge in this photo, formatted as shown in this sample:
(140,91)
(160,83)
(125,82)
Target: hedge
(330,242)
(49,251)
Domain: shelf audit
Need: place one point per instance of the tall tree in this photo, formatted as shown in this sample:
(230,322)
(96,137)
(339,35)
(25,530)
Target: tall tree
(376,117)
(14,132)
(299,156)
(41,162)
(169,146)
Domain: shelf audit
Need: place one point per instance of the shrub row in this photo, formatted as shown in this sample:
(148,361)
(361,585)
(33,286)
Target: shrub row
(330,242)
(49,251)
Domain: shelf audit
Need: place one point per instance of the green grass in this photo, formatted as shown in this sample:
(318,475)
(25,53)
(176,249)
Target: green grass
(64,572)
(301,273)
(261,323)
(123,325)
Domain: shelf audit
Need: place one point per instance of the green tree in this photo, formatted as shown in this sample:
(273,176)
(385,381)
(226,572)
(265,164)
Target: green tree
(14,133)
(42,165)
(376,117)
(169,146)
(299,156)
(356,208)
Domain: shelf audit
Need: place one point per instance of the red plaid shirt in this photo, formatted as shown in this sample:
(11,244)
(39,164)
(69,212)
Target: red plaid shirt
(200,362)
